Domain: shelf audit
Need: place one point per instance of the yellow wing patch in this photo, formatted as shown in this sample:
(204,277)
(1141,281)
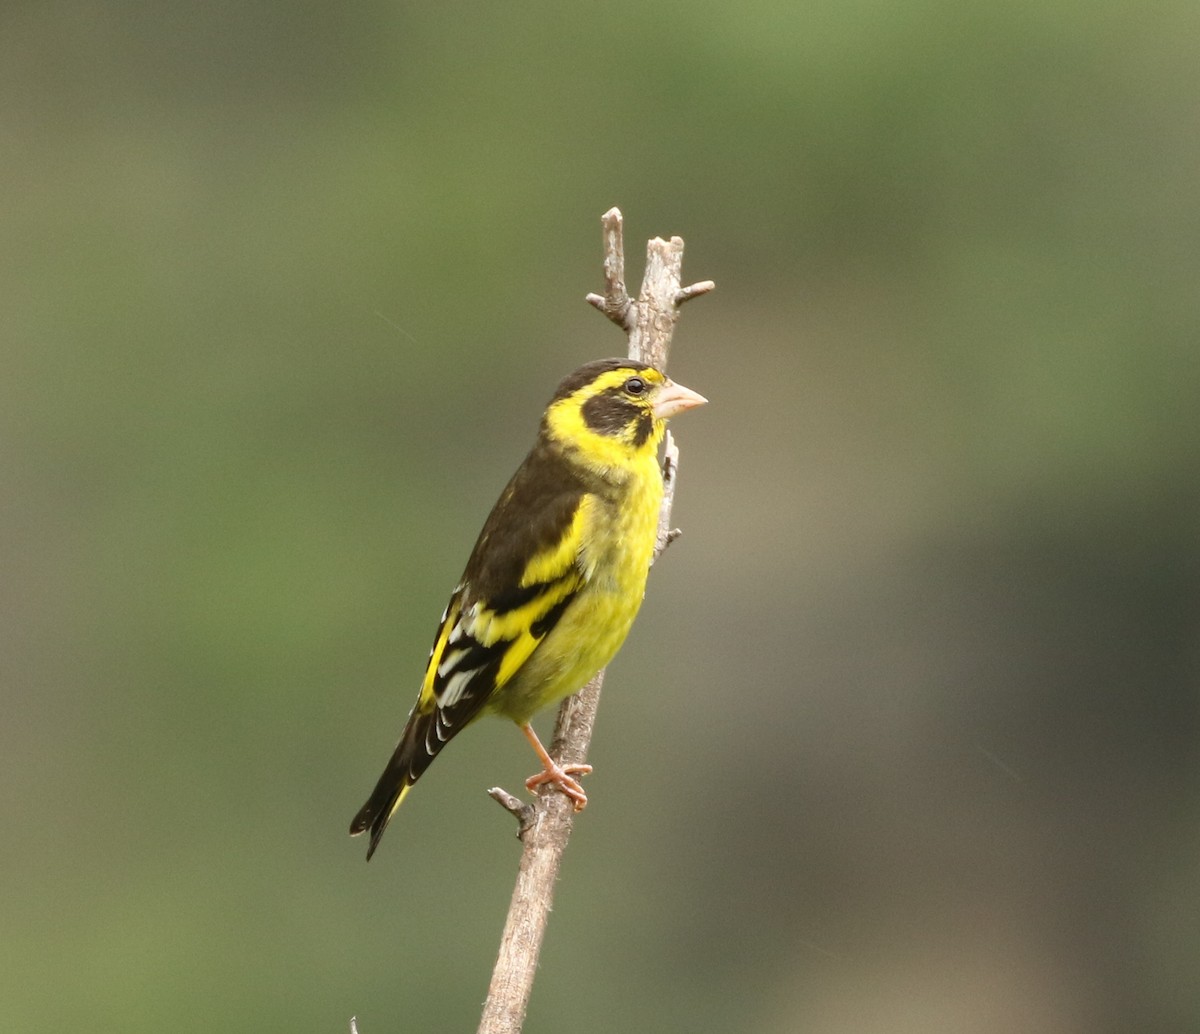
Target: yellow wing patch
(488,628)
(427,700)
(517,654)
(478,650)
(554,561)
(557,569)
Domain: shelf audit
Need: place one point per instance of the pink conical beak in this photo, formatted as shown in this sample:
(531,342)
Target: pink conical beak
(674,398)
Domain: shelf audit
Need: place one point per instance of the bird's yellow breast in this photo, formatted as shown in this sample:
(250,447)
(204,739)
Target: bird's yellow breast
(614,554)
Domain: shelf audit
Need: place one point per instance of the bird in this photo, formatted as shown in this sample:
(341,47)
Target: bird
(554,581)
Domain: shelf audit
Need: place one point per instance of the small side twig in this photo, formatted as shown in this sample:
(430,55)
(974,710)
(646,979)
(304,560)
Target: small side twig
(522,811)
(686,294)
(545,825)
(615,302)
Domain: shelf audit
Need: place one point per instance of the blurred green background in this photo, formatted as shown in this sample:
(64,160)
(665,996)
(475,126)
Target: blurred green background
(906,737)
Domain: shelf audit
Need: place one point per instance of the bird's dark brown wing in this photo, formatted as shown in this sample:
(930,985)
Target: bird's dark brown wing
(521,577)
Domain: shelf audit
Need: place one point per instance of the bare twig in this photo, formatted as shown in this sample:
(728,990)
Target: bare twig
(686,294)
(545,826)
(666,535)
(614,303)
(523,811)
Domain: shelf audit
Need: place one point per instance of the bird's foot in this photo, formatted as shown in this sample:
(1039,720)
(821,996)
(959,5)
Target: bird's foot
(559,777)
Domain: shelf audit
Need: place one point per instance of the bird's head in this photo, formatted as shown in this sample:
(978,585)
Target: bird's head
(614,410)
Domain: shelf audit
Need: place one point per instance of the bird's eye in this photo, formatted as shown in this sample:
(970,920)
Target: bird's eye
(635,386)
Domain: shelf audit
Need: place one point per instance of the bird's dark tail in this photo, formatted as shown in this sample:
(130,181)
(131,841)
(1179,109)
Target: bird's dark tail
(409,760)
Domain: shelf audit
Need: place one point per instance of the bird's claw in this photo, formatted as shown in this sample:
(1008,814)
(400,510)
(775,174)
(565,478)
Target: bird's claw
(559,777)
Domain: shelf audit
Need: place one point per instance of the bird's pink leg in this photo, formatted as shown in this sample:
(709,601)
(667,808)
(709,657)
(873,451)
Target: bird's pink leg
(554,774)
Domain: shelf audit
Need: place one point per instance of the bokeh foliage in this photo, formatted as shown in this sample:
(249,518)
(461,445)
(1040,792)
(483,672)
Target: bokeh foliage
(905,739)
